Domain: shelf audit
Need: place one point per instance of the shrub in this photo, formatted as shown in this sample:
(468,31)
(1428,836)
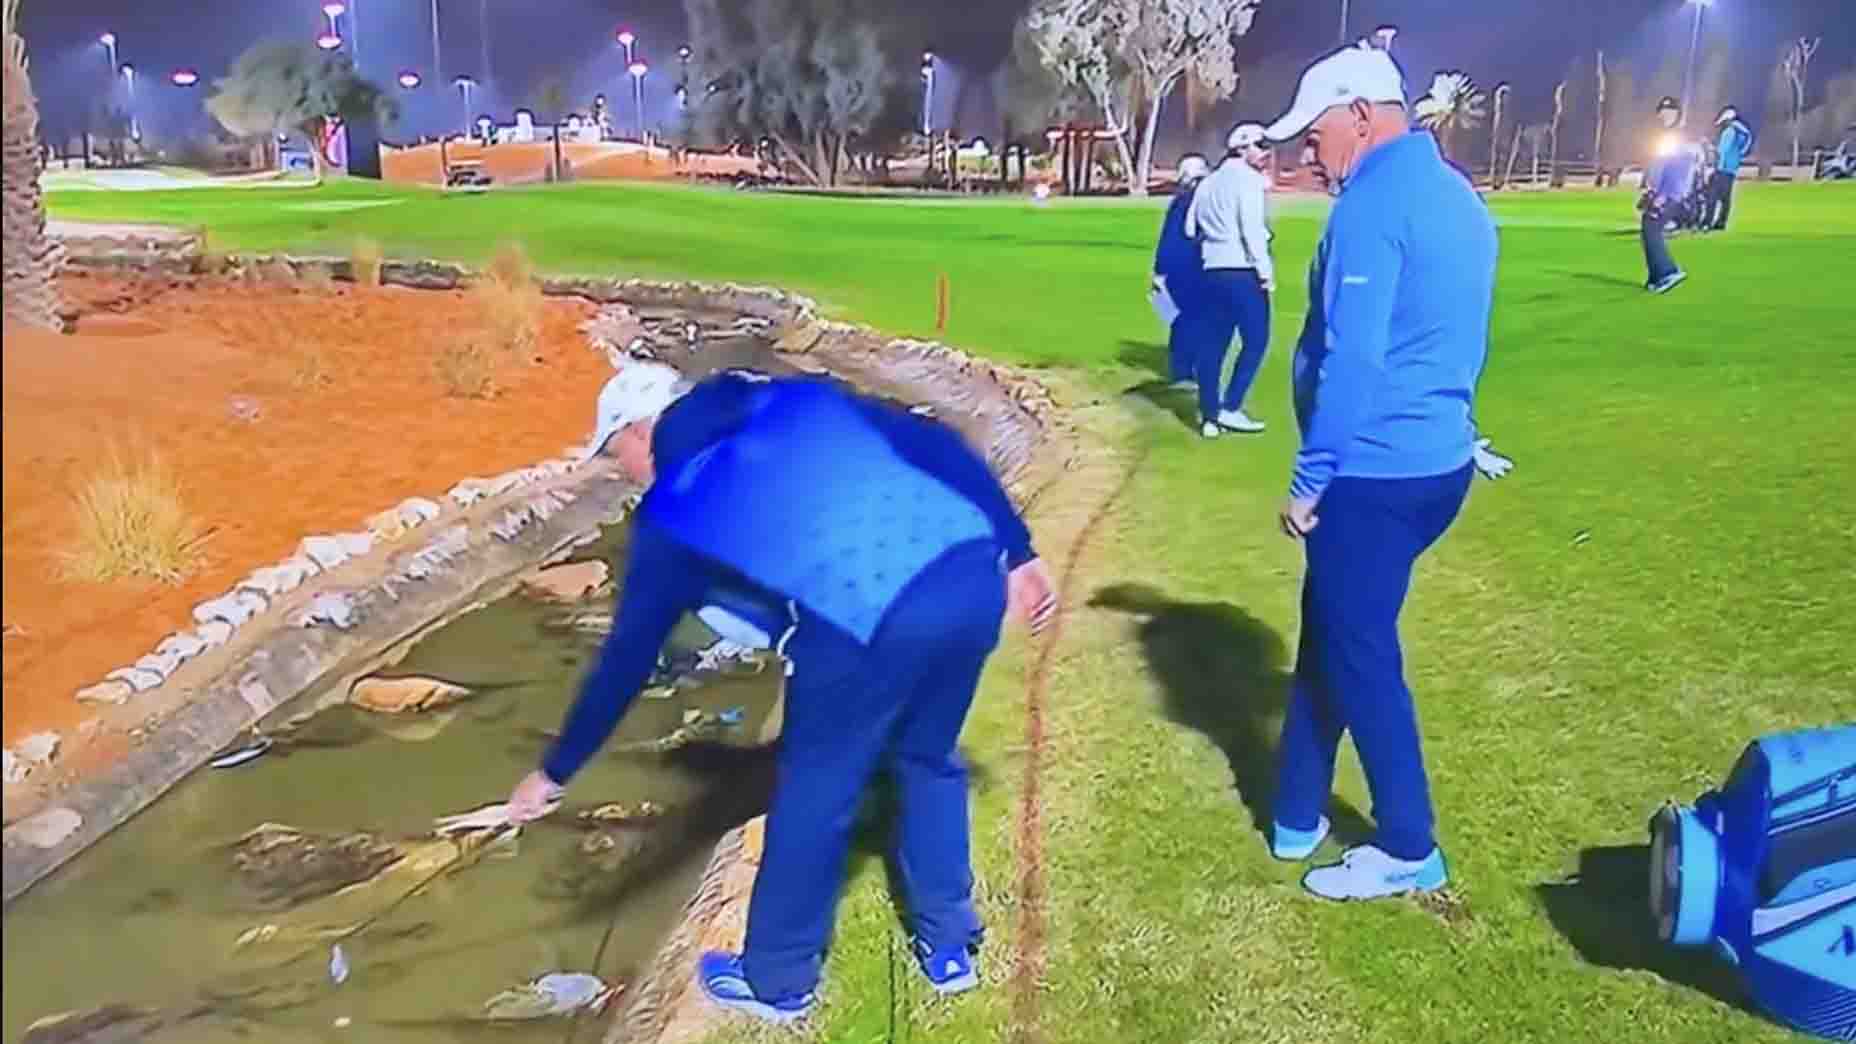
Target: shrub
(131,521)
(510,316)
(511,267)
(364,262)
(467,368)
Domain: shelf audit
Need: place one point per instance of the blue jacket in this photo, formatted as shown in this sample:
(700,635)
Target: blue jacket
(1178,255)
(1398,326)
(675,566)
(1736,141)
(1673,176)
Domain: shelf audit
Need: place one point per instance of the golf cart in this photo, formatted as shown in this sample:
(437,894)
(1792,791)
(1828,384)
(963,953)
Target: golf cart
(466,174)
(1839,165)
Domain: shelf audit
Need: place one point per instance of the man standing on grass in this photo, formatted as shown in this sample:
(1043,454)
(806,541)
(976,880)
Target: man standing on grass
(1229,215)
(1666,185)
(1179,271)
(878,553)
(1385,380)
(1730,152)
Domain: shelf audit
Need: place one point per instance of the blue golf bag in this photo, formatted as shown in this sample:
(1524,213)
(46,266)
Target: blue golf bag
(1764,870)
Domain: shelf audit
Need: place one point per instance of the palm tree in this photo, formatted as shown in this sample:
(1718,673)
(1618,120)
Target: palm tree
(1559,113)
(1537,136)
(1598,138)
(1495,135)
(551,100)
(32,258)
(1454,103)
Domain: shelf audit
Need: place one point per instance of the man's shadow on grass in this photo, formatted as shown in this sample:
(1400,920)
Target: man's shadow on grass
(1148,357)
(1603,910)
(1225,674)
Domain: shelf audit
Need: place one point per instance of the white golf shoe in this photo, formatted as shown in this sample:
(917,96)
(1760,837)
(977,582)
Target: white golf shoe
(1367,872)
(1239,421)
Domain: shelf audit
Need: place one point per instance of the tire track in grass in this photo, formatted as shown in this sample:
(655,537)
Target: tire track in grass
(1028,970)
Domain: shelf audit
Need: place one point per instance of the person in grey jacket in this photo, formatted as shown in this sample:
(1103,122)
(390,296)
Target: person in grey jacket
(1229,216)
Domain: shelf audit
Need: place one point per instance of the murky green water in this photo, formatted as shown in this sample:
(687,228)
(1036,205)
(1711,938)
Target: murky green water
(151,915)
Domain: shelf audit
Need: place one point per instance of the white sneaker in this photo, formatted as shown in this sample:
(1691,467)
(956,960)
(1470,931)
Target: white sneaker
(1210,430)
(1239,421)
(1366,872)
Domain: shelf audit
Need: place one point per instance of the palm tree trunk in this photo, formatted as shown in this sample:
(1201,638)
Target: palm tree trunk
(1138,178)
(32,259)
(1514,153)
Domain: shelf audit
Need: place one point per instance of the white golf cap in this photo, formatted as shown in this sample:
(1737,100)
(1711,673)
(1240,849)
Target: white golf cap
(1361,71)
(1244,136)
(1728,114)
(1192,168)
(640,391)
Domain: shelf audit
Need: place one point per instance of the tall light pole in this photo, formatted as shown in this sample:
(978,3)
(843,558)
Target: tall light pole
(334,9)
(638,69)
(626,39)
(135,128)
(928,93)
(1694,43)
(465,84)
(438,63)
(483,27)
(1343,23)
(108,40)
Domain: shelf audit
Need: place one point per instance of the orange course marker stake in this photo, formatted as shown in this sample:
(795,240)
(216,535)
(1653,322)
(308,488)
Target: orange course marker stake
(940,304)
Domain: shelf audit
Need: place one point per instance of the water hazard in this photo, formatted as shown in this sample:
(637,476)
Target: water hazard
(304,895)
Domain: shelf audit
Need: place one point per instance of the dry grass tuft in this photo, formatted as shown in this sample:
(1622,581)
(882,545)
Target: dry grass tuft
(509,316)
(467,368)
(510,266)
(131,521)
(365,259)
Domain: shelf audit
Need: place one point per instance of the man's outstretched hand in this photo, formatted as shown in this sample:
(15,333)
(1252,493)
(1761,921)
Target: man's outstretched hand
(534,797)
(1491,464)
(1031,598)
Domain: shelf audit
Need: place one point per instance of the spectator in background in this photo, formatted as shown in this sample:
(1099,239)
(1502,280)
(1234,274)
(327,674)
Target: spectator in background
(1735,144)
(1229,215)
(1179,270)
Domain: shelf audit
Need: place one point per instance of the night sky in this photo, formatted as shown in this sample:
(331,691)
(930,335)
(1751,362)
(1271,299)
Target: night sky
(1529,43)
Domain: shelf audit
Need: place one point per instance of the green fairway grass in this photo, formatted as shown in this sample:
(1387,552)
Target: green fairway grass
(1669,573)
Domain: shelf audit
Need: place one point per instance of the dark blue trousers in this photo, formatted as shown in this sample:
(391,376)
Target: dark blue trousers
(850,710)
(1182,347)
(1235,304)
(1656,256)
(1349,671)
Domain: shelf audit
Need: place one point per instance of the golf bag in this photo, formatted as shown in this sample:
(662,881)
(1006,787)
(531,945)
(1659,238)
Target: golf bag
(1764,869)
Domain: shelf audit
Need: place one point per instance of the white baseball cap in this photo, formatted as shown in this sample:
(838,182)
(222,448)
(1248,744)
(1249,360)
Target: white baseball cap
(1192,168)
(1727,115)
(1360,71)
(640,391)
(1245,135)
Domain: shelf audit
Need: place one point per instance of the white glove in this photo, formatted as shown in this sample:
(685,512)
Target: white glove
(1491,464)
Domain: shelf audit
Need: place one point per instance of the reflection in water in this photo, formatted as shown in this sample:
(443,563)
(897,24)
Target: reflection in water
(212,915)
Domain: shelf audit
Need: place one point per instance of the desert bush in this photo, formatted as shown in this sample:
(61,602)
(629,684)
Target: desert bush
(131,521)
(467,368)
(364,262)
(510,266)
(510,317)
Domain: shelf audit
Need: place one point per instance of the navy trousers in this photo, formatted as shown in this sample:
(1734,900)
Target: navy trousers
(1656,256)
(1349,671)
(898,703)
(1235,304)
(1182,348)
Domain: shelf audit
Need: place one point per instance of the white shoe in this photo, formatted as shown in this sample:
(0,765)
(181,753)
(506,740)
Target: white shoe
(1366,872)
(1239,421)
(1210,430)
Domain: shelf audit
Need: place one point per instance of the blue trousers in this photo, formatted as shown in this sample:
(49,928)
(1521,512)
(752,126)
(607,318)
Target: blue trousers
(1656,256)
(1182,348)
(1349,671)
(898,703)
(1235,304)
